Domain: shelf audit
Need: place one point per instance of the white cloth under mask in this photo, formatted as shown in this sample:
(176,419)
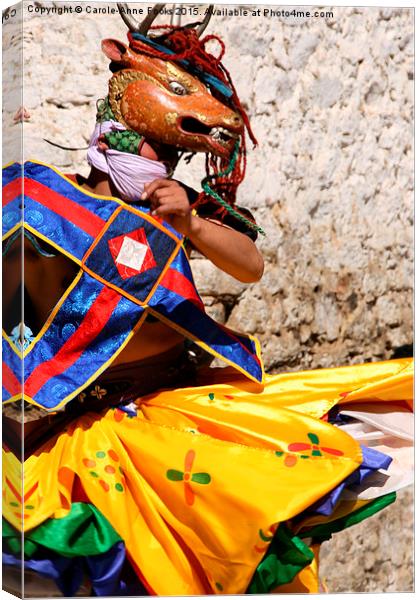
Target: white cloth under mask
(128,172)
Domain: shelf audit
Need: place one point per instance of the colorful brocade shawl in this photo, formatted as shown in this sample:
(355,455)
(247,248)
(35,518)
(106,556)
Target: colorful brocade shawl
(131,265)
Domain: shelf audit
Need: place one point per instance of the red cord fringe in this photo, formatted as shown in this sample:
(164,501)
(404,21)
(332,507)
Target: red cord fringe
(186,45)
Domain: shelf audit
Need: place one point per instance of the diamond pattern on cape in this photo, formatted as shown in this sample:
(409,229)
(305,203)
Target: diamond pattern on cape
(131,253)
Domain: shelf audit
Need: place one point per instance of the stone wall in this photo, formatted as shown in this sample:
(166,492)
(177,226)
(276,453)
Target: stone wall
(374,556)
(331,182)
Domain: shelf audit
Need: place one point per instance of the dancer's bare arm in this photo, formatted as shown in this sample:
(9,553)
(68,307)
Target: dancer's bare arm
(230,250)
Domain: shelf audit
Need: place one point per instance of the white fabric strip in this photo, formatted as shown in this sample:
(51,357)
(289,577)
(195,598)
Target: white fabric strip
(389,429)
(128,172)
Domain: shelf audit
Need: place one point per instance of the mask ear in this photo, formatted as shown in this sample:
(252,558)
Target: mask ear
(114,50)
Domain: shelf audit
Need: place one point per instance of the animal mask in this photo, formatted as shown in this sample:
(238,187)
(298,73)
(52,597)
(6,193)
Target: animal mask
(164,103)
(171,91)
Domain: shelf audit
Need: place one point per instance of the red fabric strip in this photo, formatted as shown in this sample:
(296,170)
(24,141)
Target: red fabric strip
(66,208)
(14,490)
(12,190)
(10,381)
(31,491)
(78,493)
(95,320)
(175,281)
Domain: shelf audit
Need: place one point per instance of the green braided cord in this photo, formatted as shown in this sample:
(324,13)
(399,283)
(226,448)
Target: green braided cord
(104,111)
(124,141)
(206,187)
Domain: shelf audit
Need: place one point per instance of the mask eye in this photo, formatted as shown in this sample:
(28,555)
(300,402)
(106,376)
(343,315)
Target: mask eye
(178,89)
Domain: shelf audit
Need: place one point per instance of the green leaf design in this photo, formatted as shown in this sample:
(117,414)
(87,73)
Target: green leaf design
(316,453)
(203,478)
(174,475)
(314,438)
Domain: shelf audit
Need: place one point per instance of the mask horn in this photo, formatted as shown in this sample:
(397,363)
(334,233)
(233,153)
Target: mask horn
(176,19)
(203,25)
(131,22)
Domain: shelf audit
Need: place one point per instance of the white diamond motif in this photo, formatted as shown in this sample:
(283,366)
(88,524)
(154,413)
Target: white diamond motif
(132,254)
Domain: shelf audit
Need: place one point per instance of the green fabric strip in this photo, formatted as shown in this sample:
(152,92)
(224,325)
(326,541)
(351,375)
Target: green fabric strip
(12,537)
(324,531)
(83,532)
(285,557)
(288,554)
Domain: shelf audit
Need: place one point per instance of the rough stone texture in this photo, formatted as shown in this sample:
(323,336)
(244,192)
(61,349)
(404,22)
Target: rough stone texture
(331,182)
(375,555)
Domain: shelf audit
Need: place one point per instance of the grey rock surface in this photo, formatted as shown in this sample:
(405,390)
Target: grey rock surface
(331,182)
(375,555)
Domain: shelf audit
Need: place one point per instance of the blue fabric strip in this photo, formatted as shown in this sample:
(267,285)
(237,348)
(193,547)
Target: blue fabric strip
(123,319)
(181,264)
(12,172)
(67,320)
(14,362)
(104,570)
(100,351)
(12,214)
(373,460)
(202,75)
(103,208)
(188,315)
(59,231)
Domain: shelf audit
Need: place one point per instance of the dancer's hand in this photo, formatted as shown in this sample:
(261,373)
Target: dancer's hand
(169,200)
(230,250)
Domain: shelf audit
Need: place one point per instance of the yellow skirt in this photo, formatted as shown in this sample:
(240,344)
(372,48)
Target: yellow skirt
(197,481)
